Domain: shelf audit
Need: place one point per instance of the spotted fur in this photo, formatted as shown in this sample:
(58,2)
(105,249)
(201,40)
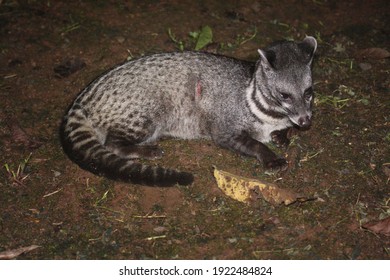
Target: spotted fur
(118,118)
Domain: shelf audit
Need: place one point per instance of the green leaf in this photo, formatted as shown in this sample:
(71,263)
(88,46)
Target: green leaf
(179,43)
(194,35)
(205,37)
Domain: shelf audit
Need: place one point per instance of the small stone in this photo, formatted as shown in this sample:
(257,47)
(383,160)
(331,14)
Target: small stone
(121,39)
(160,229)
(232,240)
(365,66)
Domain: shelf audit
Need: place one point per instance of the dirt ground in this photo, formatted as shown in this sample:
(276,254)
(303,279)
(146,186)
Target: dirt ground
(50,50)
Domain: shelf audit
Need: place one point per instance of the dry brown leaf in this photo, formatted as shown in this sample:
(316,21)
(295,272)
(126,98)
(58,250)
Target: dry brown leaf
(68,67)
(11,254)
(381,227)
(20,136)
(374,53)
(249,190)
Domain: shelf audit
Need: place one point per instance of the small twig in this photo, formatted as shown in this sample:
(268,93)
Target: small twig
(150,217)
(10,76)
(250,38)
(155,237)
(49,194)
(94,239)
(111,210)
(274,251)
(178,43)
(70,28)
(308,157)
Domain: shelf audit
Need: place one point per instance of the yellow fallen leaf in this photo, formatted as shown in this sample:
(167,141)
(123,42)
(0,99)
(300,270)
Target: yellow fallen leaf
(249,190)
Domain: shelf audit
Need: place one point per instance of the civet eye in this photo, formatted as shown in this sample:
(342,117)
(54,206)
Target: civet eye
(308,93)
(284,95)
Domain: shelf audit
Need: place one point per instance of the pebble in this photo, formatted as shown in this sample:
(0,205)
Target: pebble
(160,229)
(365,66)
(121,39)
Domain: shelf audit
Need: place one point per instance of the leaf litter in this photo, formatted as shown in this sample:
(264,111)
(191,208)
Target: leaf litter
(12,254)
(380,227)
(373,53)
(20,136)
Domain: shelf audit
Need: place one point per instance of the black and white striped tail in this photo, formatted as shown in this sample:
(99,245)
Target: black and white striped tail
(82,146)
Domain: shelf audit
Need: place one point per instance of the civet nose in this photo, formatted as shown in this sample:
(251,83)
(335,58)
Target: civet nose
(304,122)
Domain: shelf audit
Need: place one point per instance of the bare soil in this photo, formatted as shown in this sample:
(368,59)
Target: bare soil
(50,50)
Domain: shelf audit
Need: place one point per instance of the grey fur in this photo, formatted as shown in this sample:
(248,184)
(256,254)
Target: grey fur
(239,105)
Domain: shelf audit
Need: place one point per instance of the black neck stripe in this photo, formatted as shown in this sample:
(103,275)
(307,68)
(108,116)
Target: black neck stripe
(260,106)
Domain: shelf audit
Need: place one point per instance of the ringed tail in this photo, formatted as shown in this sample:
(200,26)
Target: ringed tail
(82,145)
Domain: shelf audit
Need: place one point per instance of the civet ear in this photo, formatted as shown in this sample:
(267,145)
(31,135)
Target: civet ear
(309,46)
